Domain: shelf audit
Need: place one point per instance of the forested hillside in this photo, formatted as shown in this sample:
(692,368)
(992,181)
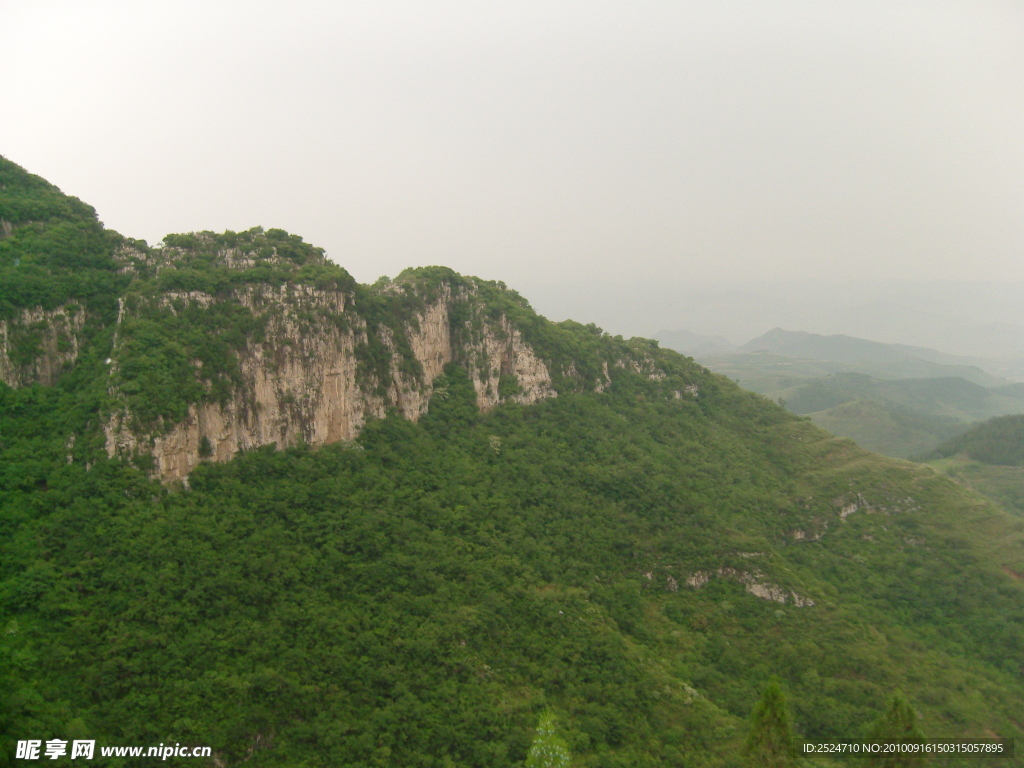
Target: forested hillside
(997,441)
(630,556)
(988,458)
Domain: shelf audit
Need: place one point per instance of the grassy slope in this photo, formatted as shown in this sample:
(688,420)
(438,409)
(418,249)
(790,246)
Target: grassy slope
(1004,485)
(878,426)
(988,458)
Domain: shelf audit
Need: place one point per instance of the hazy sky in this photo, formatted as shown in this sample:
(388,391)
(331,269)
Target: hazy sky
(542,141)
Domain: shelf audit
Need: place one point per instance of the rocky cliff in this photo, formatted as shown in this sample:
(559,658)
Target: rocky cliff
(210,344)
(303,379)
(36,345)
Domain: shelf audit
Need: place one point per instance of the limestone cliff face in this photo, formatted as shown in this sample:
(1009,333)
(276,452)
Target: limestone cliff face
(223,342)
(37,345)
(304,380)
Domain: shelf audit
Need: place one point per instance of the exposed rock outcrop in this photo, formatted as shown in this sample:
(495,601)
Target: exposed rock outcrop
(303,382)
(752,583)
(37,345)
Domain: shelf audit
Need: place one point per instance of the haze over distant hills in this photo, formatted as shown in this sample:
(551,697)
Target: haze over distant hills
(978,320)
(896,399)
(886,361)
(694,344)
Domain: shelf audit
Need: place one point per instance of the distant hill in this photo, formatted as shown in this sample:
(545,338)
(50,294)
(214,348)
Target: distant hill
(886,428)
(895,399)
(996,441)
(903,418)
(693,344)
(883,361)
(988,458)
(949,398)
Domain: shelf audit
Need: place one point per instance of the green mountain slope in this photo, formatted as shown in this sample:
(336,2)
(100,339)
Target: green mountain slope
(997,441)
(1003,484)
(638,553)
(988,458)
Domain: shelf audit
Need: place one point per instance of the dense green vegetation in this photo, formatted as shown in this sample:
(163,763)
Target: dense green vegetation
(423,595)
(213,263)
(771,742)
(997,441)
(185,322)
(53,250)
(548,750)
(899,723)
(581,575)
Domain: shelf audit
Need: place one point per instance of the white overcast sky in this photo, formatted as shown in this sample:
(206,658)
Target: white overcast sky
(542,141)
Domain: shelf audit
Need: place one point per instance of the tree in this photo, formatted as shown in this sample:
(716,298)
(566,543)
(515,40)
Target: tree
(771,743)
(898,723)
(548,750)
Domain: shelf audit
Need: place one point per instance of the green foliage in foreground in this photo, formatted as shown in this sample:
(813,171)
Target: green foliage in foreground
(771,743)
(419,598)
(898,724)
(548,749)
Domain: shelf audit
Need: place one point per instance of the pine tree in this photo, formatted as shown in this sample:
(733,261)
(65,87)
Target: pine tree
(771,743)
(548,750)
(899,723)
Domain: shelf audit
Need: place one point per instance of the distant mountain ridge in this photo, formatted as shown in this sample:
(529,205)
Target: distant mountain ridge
(886,361)
(693,344)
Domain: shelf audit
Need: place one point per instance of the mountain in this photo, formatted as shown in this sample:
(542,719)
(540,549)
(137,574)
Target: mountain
(693,344)
(215,344)
(249,504)
(767,373)
(884,361)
